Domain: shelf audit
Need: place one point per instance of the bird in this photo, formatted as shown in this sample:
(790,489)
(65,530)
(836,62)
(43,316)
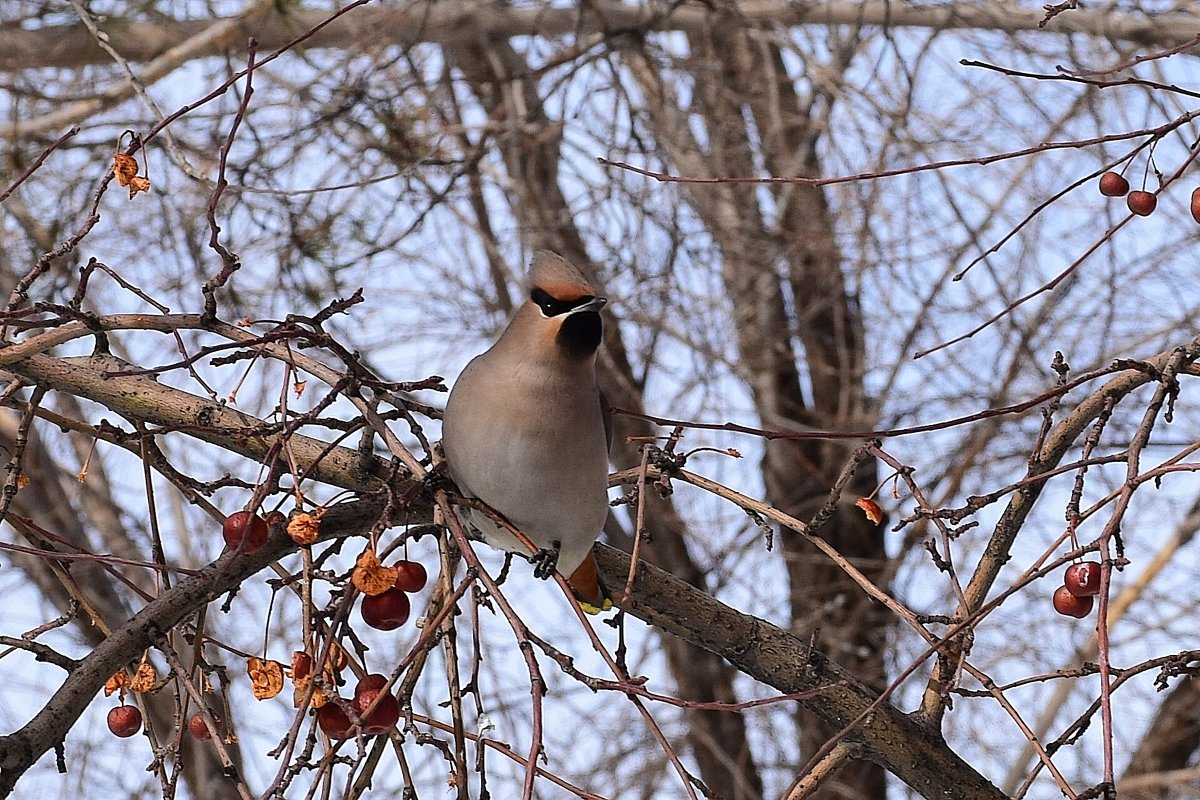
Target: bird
(527,430)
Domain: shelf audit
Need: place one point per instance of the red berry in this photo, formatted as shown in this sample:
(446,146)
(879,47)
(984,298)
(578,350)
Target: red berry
(276,519)
(384,717)
(1083,580)
(386,611)
(302,664)
(196,725)
(1196,204)
(1141,203)
(334,721)
(1113,185)
(371,683)
(386,713)
(410,576)
(1069,605)
(124,721)
(244,531)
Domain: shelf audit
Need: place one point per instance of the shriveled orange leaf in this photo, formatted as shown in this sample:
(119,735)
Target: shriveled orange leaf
(266,677)
(138,184)
(145,678)
(304,527)
(302,676)
(317,700)
(370,576)
(871,509)
(125,168)
(117,681)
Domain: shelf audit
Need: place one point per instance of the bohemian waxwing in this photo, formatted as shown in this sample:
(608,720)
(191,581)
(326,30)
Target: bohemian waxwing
(527,431)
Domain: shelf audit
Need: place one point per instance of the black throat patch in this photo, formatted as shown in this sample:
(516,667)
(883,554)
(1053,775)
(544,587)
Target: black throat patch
(580,334)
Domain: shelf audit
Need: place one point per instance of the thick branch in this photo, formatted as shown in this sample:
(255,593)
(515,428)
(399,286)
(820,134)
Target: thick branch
(140,397)
(451,22)
(1172,739)
(910,750)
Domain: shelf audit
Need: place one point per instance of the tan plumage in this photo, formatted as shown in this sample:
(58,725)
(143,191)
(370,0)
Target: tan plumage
(526,430)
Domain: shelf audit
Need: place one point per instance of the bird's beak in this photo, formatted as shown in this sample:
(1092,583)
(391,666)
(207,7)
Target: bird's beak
(595,304)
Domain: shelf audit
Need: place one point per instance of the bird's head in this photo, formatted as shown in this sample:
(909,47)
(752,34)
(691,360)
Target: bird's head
(563,306)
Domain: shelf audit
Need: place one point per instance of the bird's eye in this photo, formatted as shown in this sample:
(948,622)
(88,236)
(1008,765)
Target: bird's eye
(552,306)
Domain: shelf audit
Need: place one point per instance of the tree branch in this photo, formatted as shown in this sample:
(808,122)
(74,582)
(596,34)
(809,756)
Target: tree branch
(450,22)
(142,398)
(912,751)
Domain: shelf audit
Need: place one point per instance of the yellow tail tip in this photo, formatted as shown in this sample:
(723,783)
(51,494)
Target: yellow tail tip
(589,608)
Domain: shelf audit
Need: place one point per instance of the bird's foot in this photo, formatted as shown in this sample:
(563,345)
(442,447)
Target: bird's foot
(545,562)
(435,478)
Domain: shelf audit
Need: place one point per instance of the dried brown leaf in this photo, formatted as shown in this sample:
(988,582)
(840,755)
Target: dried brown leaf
(304,527)
(302,676)
(125,169)
(145,679)
(317,700)
(138,184)
(118,681)
(370,576)
(871,509)
(266,677)
(337,661)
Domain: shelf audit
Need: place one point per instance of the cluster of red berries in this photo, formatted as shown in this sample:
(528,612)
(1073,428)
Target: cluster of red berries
(1140,202)
(390,609)
(1081,584)
(374,710)
(336,723)
(246,532)
(125,721)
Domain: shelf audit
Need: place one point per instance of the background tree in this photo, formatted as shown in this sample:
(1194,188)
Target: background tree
(869,234)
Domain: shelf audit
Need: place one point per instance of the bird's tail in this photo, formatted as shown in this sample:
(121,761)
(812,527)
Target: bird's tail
(587,587)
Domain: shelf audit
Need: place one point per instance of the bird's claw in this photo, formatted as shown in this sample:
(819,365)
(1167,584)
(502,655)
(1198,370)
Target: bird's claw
(435,478)
(545,562)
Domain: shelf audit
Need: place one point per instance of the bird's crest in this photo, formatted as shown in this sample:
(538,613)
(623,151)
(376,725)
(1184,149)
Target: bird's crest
(558,277)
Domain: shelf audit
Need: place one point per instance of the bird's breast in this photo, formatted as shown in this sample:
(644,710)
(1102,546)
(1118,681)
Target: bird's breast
(530,444)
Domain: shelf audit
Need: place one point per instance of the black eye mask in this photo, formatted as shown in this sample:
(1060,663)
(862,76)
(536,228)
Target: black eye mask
(553,307)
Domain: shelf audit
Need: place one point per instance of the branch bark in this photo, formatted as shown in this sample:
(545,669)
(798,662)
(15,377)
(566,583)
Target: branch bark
(143,398)
(1169,744)
(912,751)
(450,22)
